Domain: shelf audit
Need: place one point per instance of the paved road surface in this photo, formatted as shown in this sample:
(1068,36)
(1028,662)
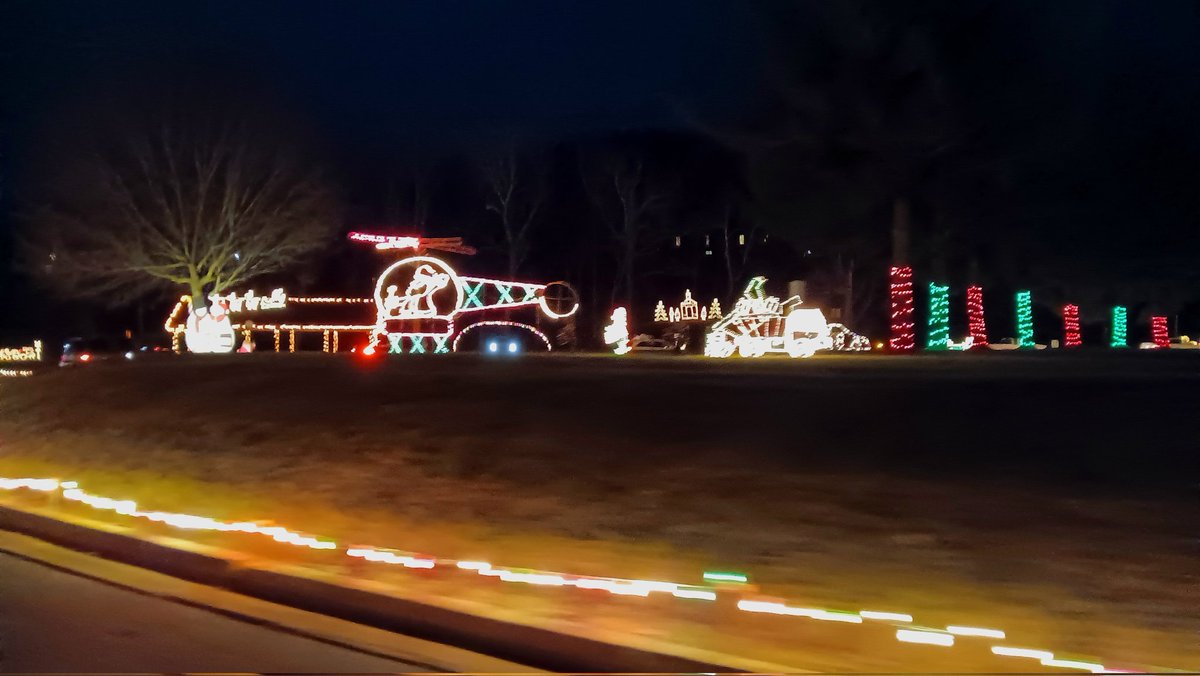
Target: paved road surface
(52,621)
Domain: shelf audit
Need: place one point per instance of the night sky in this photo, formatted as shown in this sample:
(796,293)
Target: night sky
(439,72)
(1088,106)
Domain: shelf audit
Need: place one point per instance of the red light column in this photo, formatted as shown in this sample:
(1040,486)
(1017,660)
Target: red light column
(976,326)
(1158,331)
(903,338)
(1071,336)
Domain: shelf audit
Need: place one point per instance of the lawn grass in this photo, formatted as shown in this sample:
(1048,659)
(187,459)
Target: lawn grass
(1051,494)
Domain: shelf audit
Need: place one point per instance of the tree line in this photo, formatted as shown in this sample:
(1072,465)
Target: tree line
(881,133)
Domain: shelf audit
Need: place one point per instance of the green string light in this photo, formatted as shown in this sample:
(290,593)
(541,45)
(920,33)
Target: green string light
(726,577)
(1024,319)
(1119,327)
(939,318)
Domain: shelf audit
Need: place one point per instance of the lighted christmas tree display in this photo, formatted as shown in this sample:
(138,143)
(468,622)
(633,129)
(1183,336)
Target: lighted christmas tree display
(1119,327)
(714,310)
(1024,319)
(1158,331)
(660,312)
(975,322)
(938,337)
(903,339)
(1071,336)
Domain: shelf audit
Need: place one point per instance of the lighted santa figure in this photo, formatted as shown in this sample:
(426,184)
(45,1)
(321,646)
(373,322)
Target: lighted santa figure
(617,333)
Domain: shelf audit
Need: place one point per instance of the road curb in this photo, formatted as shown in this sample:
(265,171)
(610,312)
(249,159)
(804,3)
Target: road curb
(114,544)
(530,645)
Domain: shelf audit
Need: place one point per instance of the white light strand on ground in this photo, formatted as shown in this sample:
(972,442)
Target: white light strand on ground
(925,637)
(618,586)
(71,491)
(975,631)
(43,485)
(889,617)
(1047,659)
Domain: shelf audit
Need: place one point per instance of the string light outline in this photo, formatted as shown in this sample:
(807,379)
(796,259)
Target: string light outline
(498,322)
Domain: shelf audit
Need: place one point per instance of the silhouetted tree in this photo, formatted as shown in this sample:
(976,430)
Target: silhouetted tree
(177,193)
(516,191)
(860,117)
(629,200)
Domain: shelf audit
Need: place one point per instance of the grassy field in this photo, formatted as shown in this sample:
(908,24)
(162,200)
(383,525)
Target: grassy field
(1053,495)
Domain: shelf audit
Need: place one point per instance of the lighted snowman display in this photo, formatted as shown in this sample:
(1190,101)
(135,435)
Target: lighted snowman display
(209,329)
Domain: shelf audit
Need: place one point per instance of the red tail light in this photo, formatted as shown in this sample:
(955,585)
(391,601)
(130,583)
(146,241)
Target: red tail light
(85,357)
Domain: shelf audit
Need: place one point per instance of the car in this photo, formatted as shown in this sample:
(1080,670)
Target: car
(1011,344)
(84,351)
(1176,343)
(644,343)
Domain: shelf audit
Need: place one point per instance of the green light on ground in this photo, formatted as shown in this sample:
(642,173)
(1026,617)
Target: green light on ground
(726,577)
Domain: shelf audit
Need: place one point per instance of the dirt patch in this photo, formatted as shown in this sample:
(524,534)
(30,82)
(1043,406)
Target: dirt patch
(1052,496)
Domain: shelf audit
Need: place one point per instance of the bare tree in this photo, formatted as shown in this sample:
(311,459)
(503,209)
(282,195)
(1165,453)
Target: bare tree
(181,196)
(628,200)
(747,231)
(408,198)
(516,191)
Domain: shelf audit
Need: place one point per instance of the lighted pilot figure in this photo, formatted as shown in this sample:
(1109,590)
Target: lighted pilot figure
(418,297)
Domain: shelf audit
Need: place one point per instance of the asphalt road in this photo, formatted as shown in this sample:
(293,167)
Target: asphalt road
(53,621)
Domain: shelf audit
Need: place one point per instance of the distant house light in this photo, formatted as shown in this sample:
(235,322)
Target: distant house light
(706,241)
(741,240)
(678,241)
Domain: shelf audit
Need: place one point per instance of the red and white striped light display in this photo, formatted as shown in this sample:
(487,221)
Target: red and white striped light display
(1071,326)
(975,322)
(903,338)
(1158,331)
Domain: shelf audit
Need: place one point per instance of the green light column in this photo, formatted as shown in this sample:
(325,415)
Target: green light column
(938,335)
(1119,327)
(1024,319)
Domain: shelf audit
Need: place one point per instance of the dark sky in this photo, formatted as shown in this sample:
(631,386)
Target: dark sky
(372,71)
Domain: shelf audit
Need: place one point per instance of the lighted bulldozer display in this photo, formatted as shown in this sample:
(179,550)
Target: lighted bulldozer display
(760,324)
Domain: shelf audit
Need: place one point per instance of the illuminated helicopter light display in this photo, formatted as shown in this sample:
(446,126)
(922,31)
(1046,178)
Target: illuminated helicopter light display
(421,302)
